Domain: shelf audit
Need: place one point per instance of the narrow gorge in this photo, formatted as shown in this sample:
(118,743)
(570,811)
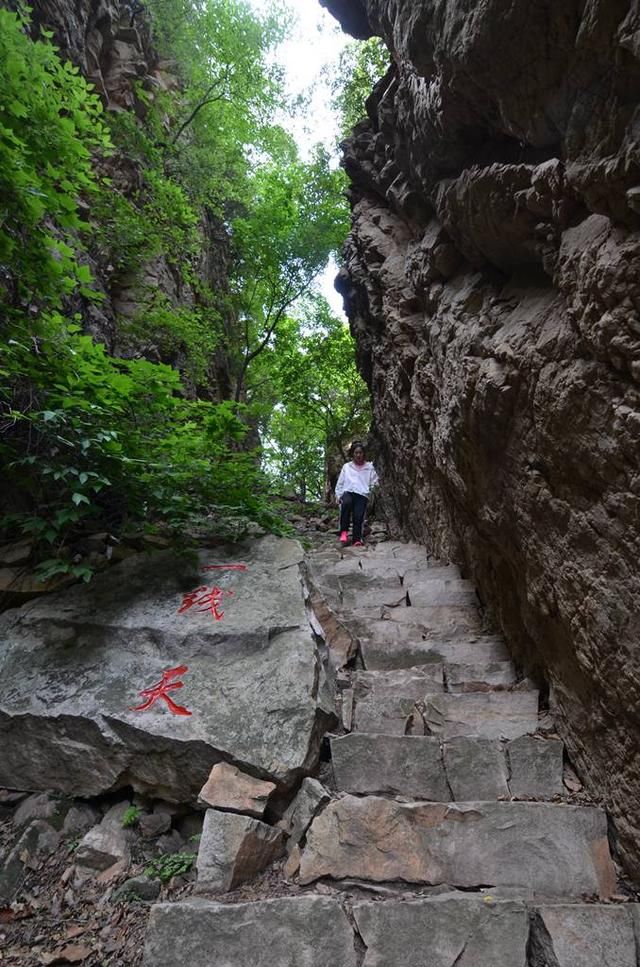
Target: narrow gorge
(230,736)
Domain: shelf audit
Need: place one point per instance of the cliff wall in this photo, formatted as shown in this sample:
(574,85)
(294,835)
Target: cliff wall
(492,283)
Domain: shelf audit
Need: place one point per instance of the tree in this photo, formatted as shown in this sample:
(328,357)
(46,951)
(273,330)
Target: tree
(323,402)
(296,218)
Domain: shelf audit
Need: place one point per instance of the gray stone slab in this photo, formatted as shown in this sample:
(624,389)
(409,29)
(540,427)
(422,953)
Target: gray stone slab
(535,767)
(480,676)
(476,768)
(306,931)
(492,715)
(383,595)
(73,666)
(555,850)
(393,765)
(409,682)
(391,594)
(233,849)
(389,646)
(387,716)
(425,595)
(583,935)
(443,931)
(416,576)
(442,620)
(363,579)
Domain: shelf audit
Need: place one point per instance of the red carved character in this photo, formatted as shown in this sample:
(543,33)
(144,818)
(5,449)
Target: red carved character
(205,599)
(225,567)
(160,690)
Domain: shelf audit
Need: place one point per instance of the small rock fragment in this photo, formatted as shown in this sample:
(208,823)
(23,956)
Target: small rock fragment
(311,797)
(154,824)
(80,818)
(138,888)
(103,846)
(229,788)
(292,865)
(170,842)
(42,805)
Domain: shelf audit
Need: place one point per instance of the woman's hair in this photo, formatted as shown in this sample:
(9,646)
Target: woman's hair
(356,445)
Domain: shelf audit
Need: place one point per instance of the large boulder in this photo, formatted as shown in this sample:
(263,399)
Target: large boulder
(73,667)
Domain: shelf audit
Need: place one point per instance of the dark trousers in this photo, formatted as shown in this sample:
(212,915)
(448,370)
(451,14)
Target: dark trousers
(353,505)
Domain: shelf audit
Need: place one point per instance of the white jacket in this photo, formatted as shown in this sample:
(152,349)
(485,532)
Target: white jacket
(358,480)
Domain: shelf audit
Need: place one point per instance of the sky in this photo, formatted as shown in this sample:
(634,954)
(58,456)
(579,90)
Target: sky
(314,45)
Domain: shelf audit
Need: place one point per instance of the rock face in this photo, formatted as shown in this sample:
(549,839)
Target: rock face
(491,282)
(72,668)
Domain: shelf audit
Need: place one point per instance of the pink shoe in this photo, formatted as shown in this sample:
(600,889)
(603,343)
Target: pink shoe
(358,544)
(344,537)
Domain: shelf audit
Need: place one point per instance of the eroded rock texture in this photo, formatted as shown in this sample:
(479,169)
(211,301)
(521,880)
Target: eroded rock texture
(492,285)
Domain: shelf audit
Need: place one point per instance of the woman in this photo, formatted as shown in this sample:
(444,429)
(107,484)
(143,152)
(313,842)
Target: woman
(352,493)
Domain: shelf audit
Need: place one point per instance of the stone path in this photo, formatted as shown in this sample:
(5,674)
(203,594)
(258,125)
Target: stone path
(449,838)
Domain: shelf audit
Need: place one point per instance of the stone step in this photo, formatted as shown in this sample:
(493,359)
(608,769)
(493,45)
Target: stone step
(448,930)
(370,565)
(460,769)
(443,620)
(431,580)
(421,680)
(553,850)
(288,932)
(406,682)
(586,935)
(389,646)
(480,931)
(480,676)
(491,715)
(394,596)
(465,930)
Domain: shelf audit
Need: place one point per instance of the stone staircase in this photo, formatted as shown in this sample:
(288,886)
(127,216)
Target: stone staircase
(449,838)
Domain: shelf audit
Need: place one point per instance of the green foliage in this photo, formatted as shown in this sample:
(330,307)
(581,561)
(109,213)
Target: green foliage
(362,64)
(131,816)
(185,336)
(50,123)
(165,867)
(115,439)
(230,90)
(322,402)
(296,219)
(91,440)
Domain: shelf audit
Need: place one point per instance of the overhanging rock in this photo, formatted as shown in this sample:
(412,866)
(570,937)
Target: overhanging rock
(72,667)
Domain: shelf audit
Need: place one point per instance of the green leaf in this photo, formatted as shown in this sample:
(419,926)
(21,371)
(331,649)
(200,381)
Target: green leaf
(79,499)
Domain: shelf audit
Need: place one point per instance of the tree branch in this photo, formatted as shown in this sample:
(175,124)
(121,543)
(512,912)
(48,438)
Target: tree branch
(206,99)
